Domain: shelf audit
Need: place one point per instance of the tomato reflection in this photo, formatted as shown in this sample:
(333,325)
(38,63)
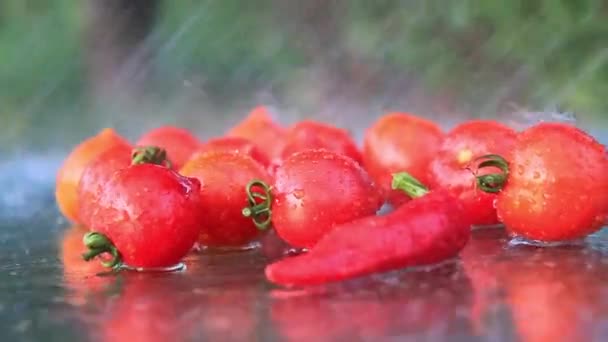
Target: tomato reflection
(553,294)
(79,276)
(416,304)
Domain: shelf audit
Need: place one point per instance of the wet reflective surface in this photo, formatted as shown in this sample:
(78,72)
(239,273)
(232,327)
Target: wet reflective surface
(494,292)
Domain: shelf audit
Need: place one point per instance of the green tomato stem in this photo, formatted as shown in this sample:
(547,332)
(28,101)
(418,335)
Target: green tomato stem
(150,155)
(493,182)
(259,212)
(407,183)
(98,244)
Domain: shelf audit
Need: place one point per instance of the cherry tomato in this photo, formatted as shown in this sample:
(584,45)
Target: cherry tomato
(68,177)
(233,144)
(178,142)
(312,135)
(400,142)
(459,149)
(557,186)
(260,128)
(148,216)
(224,177)
(315,190)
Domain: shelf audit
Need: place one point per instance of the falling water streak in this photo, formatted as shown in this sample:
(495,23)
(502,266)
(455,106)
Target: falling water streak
(586,71)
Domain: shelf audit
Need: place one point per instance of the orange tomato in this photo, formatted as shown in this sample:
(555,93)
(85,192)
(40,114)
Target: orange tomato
(263,131)
(68,177)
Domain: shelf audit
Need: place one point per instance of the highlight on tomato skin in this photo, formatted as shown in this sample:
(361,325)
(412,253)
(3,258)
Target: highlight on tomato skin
(452,167)
(313,135)
(260,128)
(70,172)
(179,143)
(400,142)
(224,177)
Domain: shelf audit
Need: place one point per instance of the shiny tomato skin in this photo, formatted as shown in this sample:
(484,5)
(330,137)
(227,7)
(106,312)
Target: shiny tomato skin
(315,190)
(224,177)
(178,142)
(260,128)
(557,187)
(400,142)
(97,173)
(233,144)
(151,214)
(68,176)
(312,135)
(460,147)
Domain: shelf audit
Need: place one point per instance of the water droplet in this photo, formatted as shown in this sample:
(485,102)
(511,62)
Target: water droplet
(298,193)
(536,175)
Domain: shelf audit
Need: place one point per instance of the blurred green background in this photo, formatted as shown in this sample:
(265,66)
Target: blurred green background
(204,63)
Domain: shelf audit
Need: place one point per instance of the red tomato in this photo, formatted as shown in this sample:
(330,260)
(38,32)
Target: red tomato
(315,190)
(461,146)
(400,142)
(178,142)
(312,135)
(557,187)
(150,213)
(261,129)
(96,175)
(233,144)
(224,177)
(68,177)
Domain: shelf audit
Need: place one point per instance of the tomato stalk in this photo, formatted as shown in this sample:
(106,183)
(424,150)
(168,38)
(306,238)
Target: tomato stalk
(98,244)
(411,186)
(493,182)
(150,155)
(260,212)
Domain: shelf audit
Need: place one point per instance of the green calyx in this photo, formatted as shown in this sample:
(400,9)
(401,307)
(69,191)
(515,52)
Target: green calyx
(98,244)
(259,200)
(150,155)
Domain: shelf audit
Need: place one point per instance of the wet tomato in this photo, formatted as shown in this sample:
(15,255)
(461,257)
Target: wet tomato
(400,142)
(314,191)
(68,177)
(557,185)
(148,216)
(224,177)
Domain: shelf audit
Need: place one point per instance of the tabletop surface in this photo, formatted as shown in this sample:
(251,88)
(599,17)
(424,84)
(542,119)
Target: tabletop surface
(497,290)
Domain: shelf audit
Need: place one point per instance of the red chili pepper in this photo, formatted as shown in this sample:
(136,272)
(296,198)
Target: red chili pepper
(430,229)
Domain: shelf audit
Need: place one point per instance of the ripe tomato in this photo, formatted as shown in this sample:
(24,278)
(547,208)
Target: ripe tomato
(150,214)
(557,187)
(312,135)
(461,146)
(400,142)
(178,142)
(233,144)
(68,177)
(224,177)
(260,128)
(315,190)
